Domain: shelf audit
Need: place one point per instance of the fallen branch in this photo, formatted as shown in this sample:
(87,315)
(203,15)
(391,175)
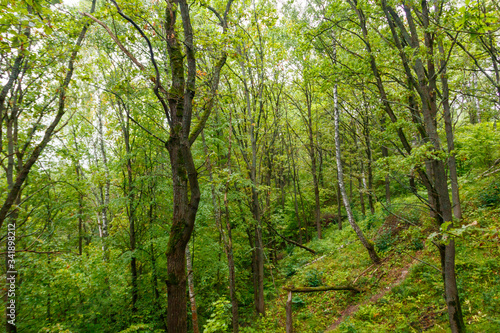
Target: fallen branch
(293,242)
(424,262)
(488,172)
(322,288)
(366,270)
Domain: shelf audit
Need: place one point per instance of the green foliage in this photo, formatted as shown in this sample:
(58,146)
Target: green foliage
(139,328)
(57,328)
(477,147)
(220,317)
(297,302)
(313,278)
(490,195)
(385,242)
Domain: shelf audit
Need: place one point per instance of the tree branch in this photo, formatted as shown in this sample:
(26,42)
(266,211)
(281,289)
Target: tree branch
(115,39)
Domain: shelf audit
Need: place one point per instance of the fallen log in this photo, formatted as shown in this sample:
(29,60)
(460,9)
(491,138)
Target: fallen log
(321,288)
(293,289)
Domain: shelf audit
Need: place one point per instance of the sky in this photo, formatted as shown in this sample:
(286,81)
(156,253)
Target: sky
(70,2)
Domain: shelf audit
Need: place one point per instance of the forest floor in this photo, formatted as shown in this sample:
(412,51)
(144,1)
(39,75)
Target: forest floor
(352,309)
(405,292)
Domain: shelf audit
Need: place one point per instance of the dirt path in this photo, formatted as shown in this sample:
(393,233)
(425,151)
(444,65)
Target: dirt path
(351,309)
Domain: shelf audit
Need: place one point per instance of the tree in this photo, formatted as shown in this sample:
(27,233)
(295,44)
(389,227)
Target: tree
(177,103)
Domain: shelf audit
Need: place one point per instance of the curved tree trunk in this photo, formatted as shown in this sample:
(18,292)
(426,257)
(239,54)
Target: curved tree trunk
(368,245)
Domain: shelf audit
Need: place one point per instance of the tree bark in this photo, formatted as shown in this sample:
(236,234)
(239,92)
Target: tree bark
(368,245)
(312,156)
(452,164)
(289,317)
(192,298)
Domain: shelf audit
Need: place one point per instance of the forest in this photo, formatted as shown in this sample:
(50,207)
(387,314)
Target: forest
(250,166)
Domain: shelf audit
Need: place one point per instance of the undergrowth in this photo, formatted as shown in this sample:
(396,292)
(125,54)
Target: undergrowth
(405,292)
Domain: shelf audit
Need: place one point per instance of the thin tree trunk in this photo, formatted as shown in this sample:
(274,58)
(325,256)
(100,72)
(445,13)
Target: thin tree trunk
(232,273)
(107,185)
(452,165)
(312,155)
(339,205)
(255,208)
(192,299)
(361,170)
(366,132)
(289,315)
(291,160)
(368,245)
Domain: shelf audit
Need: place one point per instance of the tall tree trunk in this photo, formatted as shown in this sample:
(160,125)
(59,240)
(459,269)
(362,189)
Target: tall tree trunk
(227,239)
(184,177)
(339,204)
(291,160)
(11,309)
(312,155)
(229,244)
(295,202)
(368,245)
(366,133)
(107,185)
(448,126)
(129,191)
(361,171)
(232,273)
(258,248)
(387,181)
(192,298)
(435,178)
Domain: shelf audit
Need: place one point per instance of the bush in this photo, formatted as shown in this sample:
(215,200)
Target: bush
(219,320)
(385,242)
(490,195)
(417,244)
(314,278)
(297,302)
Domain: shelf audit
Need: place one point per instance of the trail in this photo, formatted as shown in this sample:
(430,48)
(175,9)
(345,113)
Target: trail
(353,308)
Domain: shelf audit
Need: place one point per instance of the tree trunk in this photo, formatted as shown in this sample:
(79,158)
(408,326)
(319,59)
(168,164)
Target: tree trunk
(192,299)
(105,195)
(258,252)
(435,179)
(226,239)
(366,133)
(290,157)
(289,315)
(312,155)
(339,205)
(452,165)
(368,245)
(232,274)
(184,176)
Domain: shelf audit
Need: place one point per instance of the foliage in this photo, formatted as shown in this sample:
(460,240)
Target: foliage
(219,319)
(385,242)
(490,195)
